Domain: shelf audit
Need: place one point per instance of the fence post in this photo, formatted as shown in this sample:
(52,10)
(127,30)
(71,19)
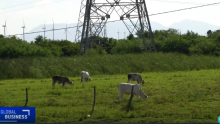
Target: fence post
(129,103)
(26,98)
(93,101)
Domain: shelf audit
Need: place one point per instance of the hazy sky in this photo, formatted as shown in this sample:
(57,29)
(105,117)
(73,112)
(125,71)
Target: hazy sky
(35,12)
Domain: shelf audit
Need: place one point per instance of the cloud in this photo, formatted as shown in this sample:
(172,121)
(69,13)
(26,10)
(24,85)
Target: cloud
(1,11)
(29,12)
(38,9)
(42,2)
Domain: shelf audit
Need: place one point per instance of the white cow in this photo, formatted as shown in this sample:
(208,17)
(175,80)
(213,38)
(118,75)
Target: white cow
(125,88)
(85,75)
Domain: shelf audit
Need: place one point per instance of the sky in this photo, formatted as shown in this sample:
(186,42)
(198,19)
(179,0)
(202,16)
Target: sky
(37,12)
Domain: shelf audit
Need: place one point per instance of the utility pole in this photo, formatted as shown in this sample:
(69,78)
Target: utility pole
(53,30)
(118,34)
(44,30)
(124,34)
(66,31)
(105,31)
(23,30)
(4,28)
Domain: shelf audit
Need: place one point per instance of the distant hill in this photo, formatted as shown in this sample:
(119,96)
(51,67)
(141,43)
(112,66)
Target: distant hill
(113,27)
(196,26)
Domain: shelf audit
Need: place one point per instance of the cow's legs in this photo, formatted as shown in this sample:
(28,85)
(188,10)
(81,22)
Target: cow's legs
(53,84)
(82,80)
(120,96)
(137,97)
(63,84)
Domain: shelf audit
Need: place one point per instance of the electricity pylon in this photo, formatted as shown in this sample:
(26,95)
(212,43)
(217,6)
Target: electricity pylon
(94,15)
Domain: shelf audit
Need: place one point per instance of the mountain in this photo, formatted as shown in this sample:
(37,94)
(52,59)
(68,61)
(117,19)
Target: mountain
(117,29)
(196,26)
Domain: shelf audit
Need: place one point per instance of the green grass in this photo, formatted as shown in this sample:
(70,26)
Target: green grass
(174,97)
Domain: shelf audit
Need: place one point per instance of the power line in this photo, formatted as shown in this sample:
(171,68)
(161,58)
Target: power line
(58,29)
(149,0)
(63,0)
(127,19)
(46,30)
(185,9)
(179,2)
(20,4)
(32,7)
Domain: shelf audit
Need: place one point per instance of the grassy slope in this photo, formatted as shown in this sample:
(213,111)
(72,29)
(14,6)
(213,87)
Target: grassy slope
(107,65)
(175,97)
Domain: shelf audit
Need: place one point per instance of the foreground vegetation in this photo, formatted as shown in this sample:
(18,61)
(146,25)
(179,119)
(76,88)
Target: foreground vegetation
(46,67)
(174,97)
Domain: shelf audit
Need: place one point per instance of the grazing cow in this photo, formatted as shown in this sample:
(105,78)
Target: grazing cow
(61,79)
(125,88)
(135,77)
(85,75)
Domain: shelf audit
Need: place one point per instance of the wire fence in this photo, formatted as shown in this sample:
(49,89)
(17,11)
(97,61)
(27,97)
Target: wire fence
(21,98)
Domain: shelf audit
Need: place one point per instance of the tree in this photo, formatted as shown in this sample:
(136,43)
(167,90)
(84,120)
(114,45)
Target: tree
(190,35)
(130,37)
(138,33)
(209,32)
(1,36)
(172,31)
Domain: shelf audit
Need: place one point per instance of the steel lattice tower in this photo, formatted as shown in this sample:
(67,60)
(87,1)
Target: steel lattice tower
(94,14)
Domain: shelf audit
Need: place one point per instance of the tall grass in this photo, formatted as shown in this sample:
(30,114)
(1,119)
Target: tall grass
(40,67)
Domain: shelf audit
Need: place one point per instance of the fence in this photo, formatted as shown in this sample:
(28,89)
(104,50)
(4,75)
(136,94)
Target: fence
(34,93)
(93,106)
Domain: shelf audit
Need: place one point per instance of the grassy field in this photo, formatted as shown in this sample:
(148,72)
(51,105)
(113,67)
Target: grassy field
(174,97)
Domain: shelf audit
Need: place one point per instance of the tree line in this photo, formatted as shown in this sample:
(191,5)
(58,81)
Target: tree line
(165,40)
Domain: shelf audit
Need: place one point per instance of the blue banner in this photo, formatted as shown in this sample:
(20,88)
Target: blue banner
(17,114)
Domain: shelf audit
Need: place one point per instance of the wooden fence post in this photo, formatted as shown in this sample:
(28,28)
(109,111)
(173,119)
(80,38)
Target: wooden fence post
(129,103)
(93,101)
(26,98)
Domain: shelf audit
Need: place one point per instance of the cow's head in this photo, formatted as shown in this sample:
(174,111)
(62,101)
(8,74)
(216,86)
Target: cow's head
(89,79)
(145,97)
(70,82)
(143,81)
